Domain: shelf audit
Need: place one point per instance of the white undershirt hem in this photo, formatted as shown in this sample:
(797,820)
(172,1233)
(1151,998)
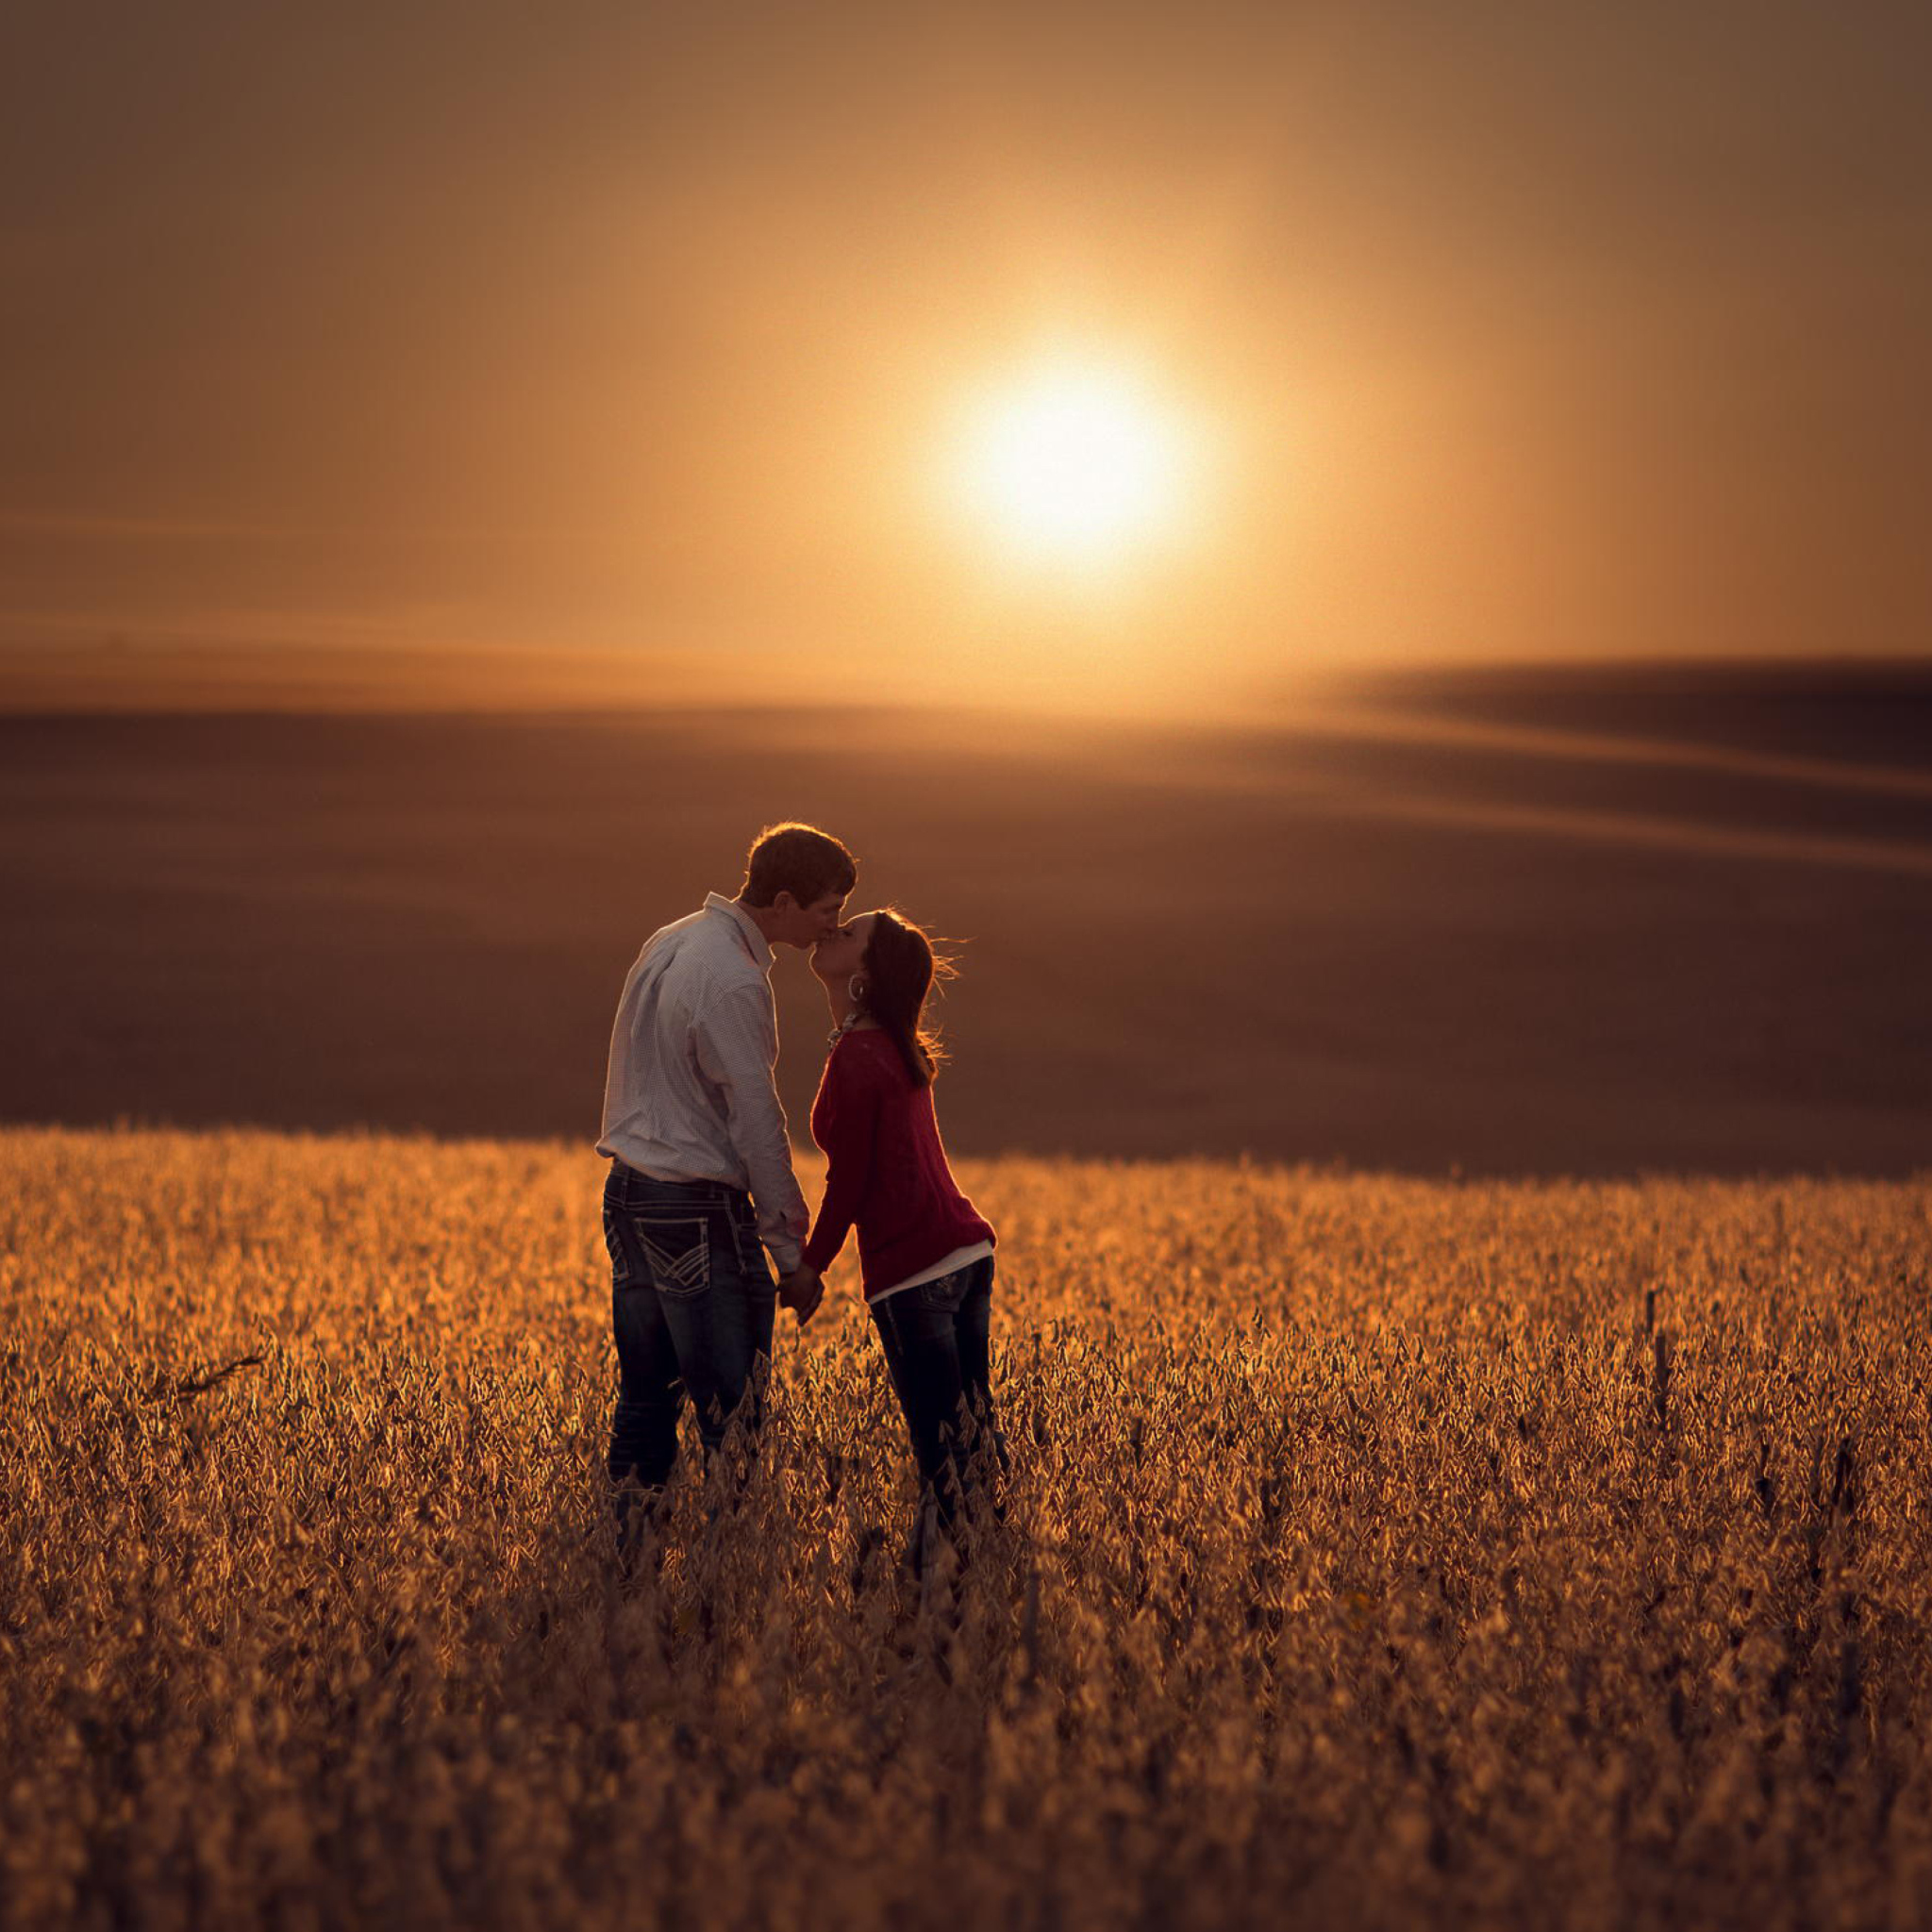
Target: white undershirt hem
(946,1264)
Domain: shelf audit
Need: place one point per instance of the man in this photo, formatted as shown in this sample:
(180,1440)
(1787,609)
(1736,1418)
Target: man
(700,1161)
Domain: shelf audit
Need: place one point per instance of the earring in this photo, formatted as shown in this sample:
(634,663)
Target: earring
(856,986)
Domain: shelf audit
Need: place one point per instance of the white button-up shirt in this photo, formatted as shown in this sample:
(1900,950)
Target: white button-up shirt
(688,1093)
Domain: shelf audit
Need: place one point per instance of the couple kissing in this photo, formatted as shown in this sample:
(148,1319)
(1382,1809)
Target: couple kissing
(701,1205)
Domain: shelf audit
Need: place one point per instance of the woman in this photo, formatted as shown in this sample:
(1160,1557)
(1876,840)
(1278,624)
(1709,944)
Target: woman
(925,1253)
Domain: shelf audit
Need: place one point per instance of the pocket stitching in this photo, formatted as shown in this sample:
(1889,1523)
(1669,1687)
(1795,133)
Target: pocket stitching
(621,1271)
(675,1271)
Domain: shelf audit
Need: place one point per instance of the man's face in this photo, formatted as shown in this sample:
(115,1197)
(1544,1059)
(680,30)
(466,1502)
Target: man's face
(806,925)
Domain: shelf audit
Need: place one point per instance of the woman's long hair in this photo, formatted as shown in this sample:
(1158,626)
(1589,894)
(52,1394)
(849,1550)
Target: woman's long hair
(900,967)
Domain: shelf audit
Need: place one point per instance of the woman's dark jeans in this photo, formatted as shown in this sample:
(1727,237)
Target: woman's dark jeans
(935,1337)
(692,1298)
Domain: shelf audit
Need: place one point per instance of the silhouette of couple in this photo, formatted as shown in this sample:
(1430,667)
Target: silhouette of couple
(701,1191)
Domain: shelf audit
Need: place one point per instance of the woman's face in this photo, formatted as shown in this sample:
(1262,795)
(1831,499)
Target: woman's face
(836,959)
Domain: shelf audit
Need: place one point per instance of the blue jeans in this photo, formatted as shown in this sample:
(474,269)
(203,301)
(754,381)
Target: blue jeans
(692,1302)
(937,1351)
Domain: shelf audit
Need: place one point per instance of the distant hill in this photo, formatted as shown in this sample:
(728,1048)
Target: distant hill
(1496,922)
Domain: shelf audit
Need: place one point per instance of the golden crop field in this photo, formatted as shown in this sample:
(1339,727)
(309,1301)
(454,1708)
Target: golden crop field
(1381,1553)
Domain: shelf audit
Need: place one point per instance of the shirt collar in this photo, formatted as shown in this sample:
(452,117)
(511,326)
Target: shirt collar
(762,956)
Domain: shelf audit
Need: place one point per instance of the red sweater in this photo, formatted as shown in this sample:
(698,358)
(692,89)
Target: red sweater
(888,1169)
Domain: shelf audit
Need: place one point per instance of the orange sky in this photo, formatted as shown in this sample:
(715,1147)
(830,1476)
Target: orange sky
(1538,329)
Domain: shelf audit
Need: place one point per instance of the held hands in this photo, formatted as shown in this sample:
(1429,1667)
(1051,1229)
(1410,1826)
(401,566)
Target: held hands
(802,1291)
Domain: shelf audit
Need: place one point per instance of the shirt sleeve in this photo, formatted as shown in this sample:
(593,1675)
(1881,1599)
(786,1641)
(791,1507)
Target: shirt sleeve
(737,1043)
(850,1124)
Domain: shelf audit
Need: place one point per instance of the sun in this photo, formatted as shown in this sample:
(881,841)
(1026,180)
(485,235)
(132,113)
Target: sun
(1079,464)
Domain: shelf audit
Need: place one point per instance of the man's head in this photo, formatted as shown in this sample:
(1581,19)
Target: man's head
(796,879)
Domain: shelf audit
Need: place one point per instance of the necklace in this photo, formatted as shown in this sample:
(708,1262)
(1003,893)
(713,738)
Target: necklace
(856,1018)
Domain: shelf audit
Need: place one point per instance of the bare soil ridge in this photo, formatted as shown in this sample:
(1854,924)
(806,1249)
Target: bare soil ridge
(1586,925)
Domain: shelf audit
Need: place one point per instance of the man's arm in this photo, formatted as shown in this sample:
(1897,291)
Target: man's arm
(737,1042)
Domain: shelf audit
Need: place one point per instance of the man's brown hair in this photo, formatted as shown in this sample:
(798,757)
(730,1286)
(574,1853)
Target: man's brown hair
(800,860)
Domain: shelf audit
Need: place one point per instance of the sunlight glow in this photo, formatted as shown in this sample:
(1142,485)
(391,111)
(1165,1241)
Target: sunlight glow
(1077,465)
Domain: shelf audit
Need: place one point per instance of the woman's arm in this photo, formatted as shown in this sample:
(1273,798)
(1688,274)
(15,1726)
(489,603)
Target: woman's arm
(850,1131)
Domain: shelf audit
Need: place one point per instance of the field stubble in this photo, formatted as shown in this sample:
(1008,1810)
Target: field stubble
(1380,1552)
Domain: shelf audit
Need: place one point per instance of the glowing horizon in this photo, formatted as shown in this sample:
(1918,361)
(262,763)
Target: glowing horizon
(1070,346)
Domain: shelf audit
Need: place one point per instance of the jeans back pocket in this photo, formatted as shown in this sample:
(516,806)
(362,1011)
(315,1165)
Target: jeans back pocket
(945,1295)
(679,1250)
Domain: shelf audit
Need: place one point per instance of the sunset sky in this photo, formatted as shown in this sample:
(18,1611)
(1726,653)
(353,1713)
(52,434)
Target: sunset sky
(1487,330)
